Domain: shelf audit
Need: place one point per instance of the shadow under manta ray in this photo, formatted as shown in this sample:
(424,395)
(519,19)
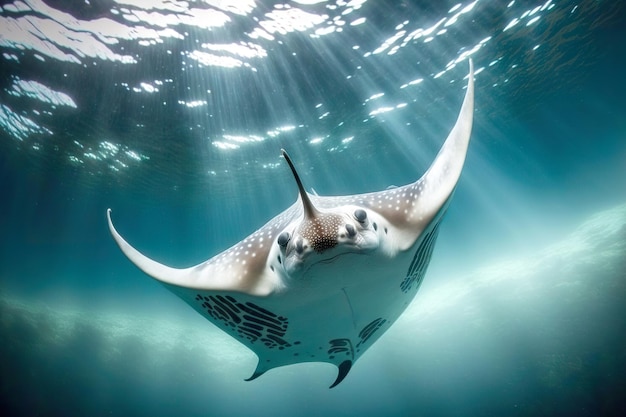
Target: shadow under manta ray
(323,280)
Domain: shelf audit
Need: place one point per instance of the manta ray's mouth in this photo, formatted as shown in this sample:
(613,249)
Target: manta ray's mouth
(332,259)
(329,260)
(306,267)
(355,251)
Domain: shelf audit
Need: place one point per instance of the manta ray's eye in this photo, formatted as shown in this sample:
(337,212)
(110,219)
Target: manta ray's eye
(283,239)
(360,215)
(351,230)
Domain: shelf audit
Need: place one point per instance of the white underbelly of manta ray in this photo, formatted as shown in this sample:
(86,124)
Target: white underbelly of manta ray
(322,281)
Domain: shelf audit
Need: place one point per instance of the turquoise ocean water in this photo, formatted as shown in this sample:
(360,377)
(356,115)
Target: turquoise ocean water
(173,114)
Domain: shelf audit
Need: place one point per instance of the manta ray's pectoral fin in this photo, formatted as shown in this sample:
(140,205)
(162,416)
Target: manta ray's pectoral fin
(344,368)
(412,207)
(263,365)
(242,268)
(437,185)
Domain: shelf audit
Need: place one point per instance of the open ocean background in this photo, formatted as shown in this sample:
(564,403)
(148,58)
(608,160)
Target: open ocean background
(173,114)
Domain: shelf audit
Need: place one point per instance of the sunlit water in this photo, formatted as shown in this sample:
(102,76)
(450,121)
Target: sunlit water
(174,113)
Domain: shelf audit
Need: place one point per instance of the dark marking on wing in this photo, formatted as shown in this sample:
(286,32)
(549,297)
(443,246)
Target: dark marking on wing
(420,261)
(369,330)
(340,346)
(247,320)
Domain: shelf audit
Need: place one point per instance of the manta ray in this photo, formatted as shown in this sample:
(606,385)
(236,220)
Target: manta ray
(324,279)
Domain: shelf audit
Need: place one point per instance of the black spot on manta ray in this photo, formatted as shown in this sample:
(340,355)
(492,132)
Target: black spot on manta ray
(420,261)
(247,320)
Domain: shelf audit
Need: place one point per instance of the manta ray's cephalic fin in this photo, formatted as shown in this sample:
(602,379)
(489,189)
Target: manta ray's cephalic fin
(309,209)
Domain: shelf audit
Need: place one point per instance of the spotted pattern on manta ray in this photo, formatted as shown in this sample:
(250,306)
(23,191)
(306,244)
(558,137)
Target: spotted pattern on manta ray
(322,231)
(420,261)
(398,205)
(251,251)
(248,320)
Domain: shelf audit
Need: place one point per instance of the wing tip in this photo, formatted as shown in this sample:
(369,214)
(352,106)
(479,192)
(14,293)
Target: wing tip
(254,376)
(344,368)
(111,227)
